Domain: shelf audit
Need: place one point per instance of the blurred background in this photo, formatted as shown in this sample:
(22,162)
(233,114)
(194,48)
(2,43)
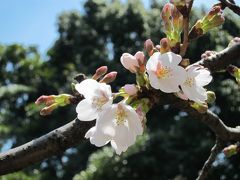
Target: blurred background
(43,44)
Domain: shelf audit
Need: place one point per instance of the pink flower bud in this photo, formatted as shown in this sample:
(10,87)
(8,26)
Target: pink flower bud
(110,77)
(149,46)
(47,100)
(130,62)
(48,110)
(140,57)
(100,72)
(164,45)
(130,89)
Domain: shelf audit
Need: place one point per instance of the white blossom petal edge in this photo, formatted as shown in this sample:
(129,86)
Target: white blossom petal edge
(197,77)
(119,124)
(98,96)
(165,73)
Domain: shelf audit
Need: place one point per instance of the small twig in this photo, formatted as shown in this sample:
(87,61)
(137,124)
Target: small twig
(217,148)
(231,5)
(186,30)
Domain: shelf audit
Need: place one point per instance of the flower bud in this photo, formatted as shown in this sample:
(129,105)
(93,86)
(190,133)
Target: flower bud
(141,61)
(211,97)
(110,77)
(231,150)
(100,72)
(52,102)
(130,62)
(173,23)
(48,110)
(130,89)
(46,100)
(164,45)
(149,46)
(235,72)
(213,19)
(201,108)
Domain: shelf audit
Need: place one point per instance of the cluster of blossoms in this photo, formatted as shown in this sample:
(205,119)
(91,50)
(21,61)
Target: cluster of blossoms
(121,117)
(121,123)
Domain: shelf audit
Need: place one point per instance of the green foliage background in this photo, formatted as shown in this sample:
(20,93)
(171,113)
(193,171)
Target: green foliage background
(174,145)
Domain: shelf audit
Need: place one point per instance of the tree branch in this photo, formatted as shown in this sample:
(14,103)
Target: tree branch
(222,59)
(231,5)
(217,148)
(53,143)
(71,134)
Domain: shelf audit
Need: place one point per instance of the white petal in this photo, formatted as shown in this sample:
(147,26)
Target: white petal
(105,90)
(195,93)
(87,88)
(203,78)
(129,62)
(154,81)
(118,150)
(171,84)
(99,139)
(105,122)
(170,59)
(153,61)
(90,132)
(124,137)
(134,122)
(85,111)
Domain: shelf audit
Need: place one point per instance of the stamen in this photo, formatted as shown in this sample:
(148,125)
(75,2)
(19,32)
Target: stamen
(120,115)
(189,82)
(163,71)
(98,102)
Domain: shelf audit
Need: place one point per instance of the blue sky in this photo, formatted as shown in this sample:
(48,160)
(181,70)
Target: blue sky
(33,22)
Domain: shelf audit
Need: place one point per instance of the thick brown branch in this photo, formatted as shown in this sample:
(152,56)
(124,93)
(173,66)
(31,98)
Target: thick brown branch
(53,143)
(221,60)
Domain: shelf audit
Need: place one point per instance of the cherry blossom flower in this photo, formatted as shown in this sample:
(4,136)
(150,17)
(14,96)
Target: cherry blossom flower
(165,73)
(132,63)
(130,89)
(119,124)
(98,96)
(197,77)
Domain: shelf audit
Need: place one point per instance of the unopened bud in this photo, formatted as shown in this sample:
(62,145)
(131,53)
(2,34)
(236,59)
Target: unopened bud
(213,19)
(231,150)
(140,57)
(211,97)
(130,89)
(48,110)
(173,23)
(52,102)
(201,108)
(100,72)
(235,72)
(149,46)
(164,45)
(47,100)
(141,61)
(110,77)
